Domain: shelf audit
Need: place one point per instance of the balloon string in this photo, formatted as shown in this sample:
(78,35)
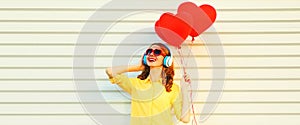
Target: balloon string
(182,60)
(193,109)
(189,81)
(194,114)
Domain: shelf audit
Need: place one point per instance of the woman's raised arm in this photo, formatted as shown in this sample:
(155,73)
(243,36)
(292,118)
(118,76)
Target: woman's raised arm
(115,70)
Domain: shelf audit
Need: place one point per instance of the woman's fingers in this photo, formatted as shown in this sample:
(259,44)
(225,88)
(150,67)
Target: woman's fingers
(186,78)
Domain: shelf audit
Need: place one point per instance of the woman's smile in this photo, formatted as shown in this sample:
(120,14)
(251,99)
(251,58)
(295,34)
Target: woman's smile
(152,59)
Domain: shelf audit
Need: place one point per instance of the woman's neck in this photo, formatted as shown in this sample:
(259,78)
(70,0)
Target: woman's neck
(155,73)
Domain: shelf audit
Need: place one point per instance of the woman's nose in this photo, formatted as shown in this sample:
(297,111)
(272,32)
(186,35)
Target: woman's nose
(151,54)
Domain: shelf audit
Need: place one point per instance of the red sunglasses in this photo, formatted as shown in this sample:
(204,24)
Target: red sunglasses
(156,52)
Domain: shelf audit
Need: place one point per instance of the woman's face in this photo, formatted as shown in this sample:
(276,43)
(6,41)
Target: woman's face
(155,56)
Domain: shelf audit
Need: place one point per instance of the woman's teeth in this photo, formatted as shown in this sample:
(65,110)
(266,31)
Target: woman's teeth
(152,59)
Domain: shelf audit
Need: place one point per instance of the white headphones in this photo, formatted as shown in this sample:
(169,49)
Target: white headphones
(168,60)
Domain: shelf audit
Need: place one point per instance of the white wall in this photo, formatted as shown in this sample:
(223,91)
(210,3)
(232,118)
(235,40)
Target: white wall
(260,41)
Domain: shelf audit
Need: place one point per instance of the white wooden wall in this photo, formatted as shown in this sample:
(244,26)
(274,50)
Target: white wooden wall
(261,41)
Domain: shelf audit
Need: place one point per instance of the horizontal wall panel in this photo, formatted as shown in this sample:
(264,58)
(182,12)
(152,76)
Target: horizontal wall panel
(241,85)
(135,26)
(229,4)
(57,120)
(107,39)
(38,97)
(100,63)
(251,119)
(117,97)
(143,15)
(213,120)
(125,108)
(100,74)
(107,50)
(52,3)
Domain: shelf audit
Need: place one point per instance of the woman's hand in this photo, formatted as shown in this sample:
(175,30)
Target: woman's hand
(186,80)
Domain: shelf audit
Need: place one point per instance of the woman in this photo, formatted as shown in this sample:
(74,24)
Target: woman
(153,93)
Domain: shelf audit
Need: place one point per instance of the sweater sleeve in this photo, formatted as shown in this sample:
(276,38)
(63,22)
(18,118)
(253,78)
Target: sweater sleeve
(123,82)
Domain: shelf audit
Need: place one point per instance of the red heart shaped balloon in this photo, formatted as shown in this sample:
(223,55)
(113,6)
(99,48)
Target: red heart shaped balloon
(172,29)
(203,17)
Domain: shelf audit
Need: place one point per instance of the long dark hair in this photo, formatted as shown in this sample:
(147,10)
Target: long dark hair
(167,72)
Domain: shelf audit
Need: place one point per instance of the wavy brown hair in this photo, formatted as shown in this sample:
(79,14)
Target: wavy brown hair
(167,72)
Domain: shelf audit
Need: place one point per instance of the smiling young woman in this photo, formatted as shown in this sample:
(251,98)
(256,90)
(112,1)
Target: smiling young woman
(153,93)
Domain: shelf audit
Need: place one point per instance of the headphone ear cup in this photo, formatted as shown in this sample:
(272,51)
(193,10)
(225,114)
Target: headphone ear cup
(170,60)
(145,60)
(167,61)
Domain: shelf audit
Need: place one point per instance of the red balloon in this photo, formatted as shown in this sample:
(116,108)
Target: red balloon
(172,29)
(202,17)
(210,11)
